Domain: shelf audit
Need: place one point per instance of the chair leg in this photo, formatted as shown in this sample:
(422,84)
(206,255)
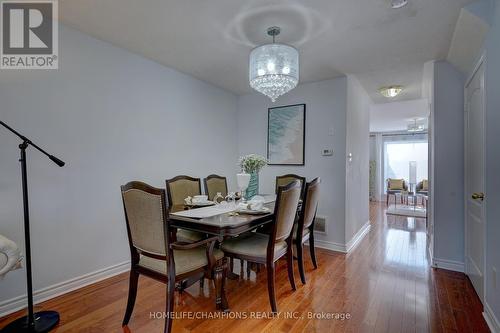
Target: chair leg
(202,282)
(220,273)
(170,305)
(270,286)
(248,269)
(387,200)
(312,250)
(300,256)
(132,293)
(289,264)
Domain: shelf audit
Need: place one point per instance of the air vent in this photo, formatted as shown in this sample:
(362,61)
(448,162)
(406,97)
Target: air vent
(320,224)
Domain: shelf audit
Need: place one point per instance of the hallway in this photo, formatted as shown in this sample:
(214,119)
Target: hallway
(385,285)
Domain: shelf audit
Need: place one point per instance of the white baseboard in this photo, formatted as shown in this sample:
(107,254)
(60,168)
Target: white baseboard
(451,265)
(345,248)
(41,295)
(358,237)
(491,319)
(332,246)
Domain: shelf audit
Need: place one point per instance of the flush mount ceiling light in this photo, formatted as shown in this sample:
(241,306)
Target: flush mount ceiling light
(396,4)
(391,92)
(416,127)
(274,68)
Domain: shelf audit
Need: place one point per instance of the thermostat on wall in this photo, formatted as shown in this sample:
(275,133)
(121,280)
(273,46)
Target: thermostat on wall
(327,152)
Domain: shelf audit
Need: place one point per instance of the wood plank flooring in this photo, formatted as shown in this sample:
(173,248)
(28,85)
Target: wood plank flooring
(384,285)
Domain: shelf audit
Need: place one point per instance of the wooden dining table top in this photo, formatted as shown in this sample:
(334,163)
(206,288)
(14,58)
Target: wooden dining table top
(224,225)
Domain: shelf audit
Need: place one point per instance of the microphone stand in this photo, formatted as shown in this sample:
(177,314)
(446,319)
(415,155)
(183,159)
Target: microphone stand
(43,321)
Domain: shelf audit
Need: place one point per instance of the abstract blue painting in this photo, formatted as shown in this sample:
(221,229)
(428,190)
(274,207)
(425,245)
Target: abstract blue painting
(286,135)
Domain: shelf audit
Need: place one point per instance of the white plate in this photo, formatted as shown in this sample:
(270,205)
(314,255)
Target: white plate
(262,211)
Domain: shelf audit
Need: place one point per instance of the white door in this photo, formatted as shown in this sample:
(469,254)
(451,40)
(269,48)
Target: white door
(474,181)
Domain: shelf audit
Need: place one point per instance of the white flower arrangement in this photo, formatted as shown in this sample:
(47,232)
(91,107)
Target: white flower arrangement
(252,163)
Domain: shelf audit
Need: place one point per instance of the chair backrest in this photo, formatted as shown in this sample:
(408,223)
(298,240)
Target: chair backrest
(396,184)
(181,187)
(146,216)
(287,179)
(215,184)
(285,210)
(309,206)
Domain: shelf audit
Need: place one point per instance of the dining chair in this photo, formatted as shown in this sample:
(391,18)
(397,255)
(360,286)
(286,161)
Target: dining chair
(178,189)
(267,249)
(155,255)
(288,178)
(215,184)
(304,229)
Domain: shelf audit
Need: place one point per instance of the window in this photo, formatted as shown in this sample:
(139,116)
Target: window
(399,150)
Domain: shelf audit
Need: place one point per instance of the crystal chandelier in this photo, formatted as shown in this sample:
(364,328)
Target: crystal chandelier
(274,68)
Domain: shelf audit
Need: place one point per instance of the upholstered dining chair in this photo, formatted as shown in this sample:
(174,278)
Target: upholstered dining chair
(395,186)
(215,184)
(267,249)
(287,179)
(303,230)
(154,254)
(178,189)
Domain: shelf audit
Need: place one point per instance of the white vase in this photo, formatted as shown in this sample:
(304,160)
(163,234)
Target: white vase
(243,179)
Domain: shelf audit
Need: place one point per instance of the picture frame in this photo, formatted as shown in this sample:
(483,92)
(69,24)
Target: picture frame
(286,135)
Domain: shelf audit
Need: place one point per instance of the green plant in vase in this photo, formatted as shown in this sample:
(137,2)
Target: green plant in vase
(252,164)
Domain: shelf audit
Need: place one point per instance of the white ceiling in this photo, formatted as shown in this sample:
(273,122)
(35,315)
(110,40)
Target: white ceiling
(468,37)
(211,40)
(409,76)
(396,116)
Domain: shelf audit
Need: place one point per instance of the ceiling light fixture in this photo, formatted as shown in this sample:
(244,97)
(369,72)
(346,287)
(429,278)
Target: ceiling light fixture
(274,68)
(415,127)
(396,4)
(391,92)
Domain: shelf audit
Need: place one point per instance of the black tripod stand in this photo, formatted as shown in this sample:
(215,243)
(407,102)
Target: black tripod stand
(42,321)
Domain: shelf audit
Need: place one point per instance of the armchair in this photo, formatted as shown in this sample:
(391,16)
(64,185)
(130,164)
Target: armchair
(395,186)
(423,187)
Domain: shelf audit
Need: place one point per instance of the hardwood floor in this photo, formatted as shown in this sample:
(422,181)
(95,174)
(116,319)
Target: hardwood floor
(384,285)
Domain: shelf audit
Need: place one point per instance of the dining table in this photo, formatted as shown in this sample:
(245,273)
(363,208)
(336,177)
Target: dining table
(220,220)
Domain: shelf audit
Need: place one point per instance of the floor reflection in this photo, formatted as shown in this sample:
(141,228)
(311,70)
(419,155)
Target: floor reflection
(405,241)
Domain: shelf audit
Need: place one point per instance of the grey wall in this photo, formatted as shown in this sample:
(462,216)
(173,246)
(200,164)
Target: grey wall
(113,117)
(357,169)
(325,128)
(448,163)
(492,74)
(428,94)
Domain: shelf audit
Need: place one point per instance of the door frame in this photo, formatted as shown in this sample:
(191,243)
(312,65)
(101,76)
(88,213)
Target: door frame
(480,61)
